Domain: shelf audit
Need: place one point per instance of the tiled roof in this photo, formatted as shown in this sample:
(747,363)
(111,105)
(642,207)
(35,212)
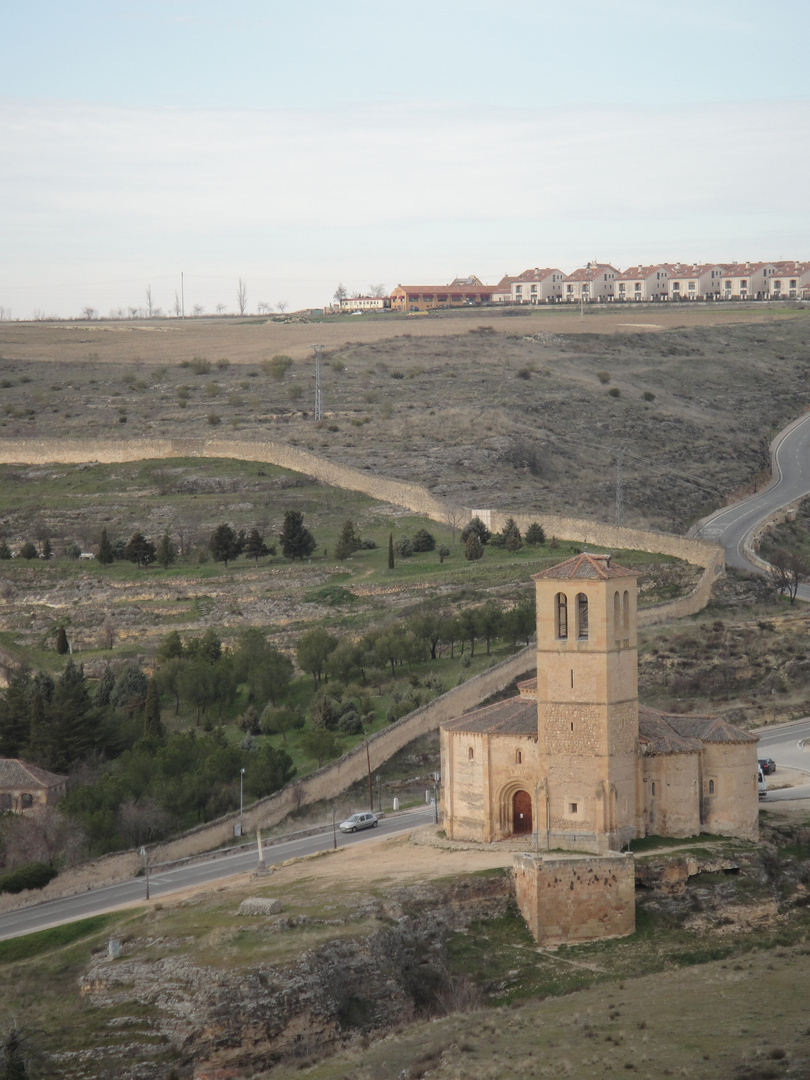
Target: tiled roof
(528,688)
(17,774)
(588,273)
(584,567)
(536,274)
(516,716)
(712,729)
(658,737)
(453,287)
(641,273)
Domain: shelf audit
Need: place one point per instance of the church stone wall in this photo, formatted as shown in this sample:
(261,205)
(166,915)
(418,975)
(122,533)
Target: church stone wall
(569,898)
(732,808)
(668,794)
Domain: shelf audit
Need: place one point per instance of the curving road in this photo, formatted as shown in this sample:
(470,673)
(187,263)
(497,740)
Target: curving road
(733,526)
(203,872)
(786,744)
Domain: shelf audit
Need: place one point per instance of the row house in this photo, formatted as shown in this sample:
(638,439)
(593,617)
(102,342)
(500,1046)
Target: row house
(747,281)
(790,282)
(695,281)
(462,292)
(534,286)
(592,282)
(643,283)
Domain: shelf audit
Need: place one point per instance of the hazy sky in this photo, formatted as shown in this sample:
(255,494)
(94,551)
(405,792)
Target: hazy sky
(301,144)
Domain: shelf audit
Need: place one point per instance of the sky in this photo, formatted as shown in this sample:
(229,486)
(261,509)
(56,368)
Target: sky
(145,143)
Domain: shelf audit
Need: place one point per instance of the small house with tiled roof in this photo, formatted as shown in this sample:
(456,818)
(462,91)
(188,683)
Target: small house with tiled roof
(572,760)
(643,283)
(468,291)
(594,281)
(695,281)
(24,787)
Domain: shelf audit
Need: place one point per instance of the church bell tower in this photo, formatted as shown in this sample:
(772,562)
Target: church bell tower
(587,704)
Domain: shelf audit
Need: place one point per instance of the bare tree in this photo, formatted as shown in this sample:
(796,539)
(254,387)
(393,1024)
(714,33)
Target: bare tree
(454,516)
(198,310)
(134,312)
(149,308)
(220,308)
(377,290)
(5,314)
(341,292)
(241,296)
(262,307)
(282,306)
(89,313)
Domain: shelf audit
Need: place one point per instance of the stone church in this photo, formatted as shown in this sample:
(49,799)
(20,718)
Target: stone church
(572,762)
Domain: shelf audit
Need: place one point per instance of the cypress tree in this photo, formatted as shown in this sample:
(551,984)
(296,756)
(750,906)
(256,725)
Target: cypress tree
(390,551)
(105,550)
(152,724)
(61,641)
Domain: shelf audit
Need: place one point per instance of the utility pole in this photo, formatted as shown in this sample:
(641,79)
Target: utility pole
(370,785)
(619,485)
(182,297)
(318,404)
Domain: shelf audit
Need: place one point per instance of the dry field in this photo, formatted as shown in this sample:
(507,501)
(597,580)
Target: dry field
(525,411)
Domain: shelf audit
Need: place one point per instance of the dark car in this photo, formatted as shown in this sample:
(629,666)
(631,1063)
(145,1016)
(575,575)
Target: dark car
(768,765)
(358,821)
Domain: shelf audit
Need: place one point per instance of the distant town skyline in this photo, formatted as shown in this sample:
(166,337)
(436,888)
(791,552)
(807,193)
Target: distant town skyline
(296,147)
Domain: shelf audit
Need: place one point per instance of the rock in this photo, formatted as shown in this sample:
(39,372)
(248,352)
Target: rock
(259,905)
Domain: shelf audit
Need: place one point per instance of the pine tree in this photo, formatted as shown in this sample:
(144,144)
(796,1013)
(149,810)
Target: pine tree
(105,550)
(224,544)
(5,550)
(105,687)
(152,724)
(348,541)
(255,547)
(166,552)
(139,550)
(297,542)
(473,549)
(62,646)
(390,551)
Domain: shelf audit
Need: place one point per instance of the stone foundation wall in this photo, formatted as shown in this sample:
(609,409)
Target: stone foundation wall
(570,898)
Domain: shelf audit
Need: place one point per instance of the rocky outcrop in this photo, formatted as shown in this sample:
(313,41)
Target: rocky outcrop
(249,1018)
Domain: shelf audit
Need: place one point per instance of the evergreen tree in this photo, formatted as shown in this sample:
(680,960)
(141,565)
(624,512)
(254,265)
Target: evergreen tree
(390,551)
(476,526)
(105,687)
(170,648)
(129,692)
(255,547)
(5,550)
(535,534)
(72,726)
(15,713)
(139,550)
(38,739)
(166,552)
(105,550)
(473,548)
(152,724)
(224,544)
(297,542)
(423,540)
(29,551)
(62,646)
(348,541)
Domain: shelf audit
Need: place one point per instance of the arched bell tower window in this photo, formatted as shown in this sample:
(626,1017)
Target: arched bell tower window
(582,616)
(518,757)
(470,754)
(626,612)
(617,614)
(561,614)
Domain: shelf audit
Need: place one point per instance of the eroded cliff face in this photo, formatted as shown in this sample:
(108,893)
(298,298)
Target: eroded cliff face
(375,975)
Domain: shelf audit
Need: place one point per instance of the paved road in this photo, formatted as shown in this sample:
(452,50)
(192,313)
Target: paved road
(785,744)
(55,912)
(731,527)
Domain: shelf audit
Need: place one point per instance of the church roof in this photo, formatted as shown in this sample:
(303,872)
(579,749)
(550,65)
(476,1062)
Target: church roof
(19,774)
(712,729)
(584,567)
(658,737)
(515,716)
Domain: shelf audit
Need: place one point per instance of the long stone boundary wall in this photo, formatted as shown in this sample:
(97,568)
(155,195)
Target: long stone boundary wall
(413,497)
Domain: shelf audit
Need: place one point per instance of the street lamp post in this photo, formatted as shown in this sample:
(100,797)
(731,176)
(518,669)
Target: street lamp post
(145,858)
(241,801)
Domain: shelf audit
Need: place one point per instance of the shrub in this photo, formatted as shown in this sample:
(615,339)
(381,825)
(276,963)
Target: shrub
(614,391)
(525,373)
(213,389)
(277,367)
(423,540)
(404,547)
(214,419)
(444,552)
(28,551)
(32,876)
(200,366)
(295,391)
(603,377)
(223,363)
(648,395)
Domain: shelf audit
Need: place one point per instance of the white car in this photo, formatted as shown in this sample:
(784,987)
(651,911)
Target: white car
(359,821)
(762,786)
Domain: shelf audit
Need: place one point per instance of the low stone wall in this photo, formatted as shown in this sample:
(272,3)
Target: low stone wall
(696,601)
(413,497)
(570,898)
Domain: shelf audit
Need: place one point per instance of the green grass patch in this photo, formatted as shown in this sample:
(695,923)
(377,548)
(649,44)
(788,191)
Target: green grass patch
(13,950)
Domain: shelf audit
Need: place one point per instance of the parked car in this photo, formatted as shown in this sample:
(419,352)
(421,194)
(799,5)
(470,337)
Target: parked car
(768,765)
(762,785)
(359,821)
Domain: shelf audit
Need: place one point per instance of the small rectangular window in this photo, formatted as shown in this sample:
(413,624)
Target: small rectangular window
(572,808)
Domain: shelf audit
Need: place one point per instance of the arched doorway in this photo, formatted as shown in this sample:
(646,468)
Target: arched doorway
(521,813)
